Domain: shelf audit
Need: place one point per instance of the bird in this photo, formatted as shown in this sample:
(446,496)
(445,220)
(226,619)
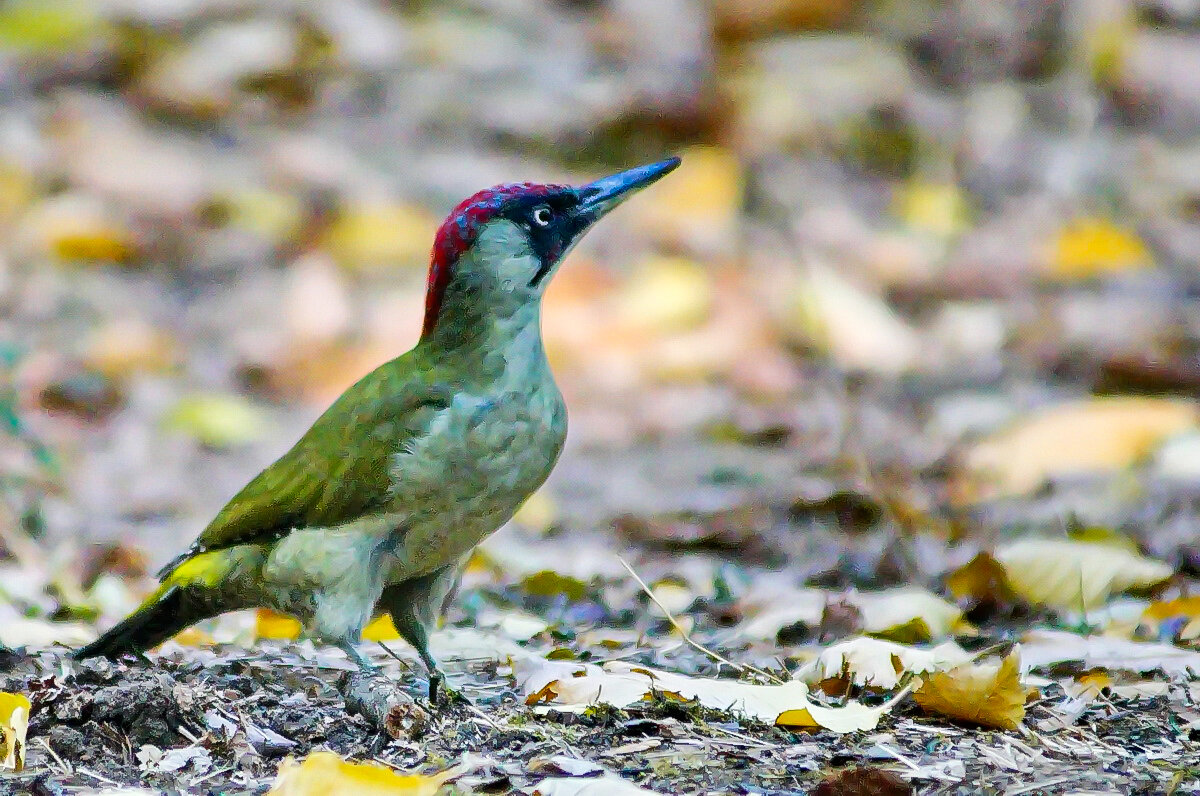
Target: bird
(378,505)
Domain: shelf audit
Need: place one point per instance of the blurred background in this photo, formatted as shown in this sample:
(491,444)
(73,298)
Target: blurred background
(929,271)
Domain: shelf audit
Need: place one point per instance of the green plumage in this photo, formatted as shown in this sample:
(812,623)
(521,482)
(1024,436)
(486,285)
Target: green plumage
(380,502)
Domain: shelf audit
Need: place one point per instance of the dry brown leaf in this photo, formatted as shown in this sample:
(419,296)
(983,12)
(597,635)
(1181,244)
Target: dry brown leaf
(981,579)
(1094,435)
(988,694)
(1075,576)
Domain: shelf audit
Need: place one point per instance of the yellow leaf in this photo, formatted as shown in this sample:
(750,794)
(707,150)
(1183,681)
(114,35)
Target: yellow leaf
(269,624)
(853,326)
(373,235)
(14,723)
(549,583)
(380,629)
(936,208)
(907,614)
(990,695)
(193,637)
(326,774)
(1089,247)
(667,294)
(1186,609)
(1075,576)
(1093,435)
(219,421)
(30,26)
(697,208)
(1091,685)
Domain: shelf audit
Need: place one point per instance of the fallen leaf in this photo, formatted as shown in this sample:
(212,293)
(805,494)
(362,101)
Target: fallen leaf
(1041,648)
(608,785)
(28,26)
(41,633)
(982,579)
(1067,575)
(14,723)
(874,663)
(573,687)
(1089,436)
(1171,619)
(270,624)
(538,513)
(219,421)
(666,294)
(381,235)
(548,583)
(380,629)
(854,327)
(863,781)
(935,208)
(697,209)
(987,694)
(326,774)
(907,614)
(1090,247)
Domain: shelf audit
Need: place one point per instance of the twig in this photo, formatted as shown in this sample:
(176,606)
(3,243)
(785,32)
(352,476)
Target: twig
(743,668)
(66,768)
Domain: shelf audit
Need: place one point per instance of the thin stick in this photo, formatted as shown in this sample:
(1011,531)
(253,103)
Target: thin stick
(687,636)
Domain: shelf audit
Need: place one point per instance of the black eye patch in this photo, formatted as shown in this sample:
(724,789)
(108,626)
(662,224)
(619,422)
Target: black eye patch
(550,240)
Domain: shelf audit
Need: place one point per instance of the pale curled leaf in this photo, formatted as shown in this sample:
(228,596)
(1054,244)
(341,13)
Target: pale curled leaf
(1040,648)
(987,694)
(856,328)
(573,687)
(875,663)
(907,610)
(1069,575)
(609,785)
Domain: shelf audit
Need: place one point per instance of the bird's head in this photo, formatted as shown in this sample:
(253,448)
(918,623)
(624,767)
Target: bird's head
(497,250)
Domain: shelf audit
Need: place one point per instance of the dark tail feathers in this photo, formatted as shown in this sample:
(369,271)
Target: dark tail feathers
(154,622)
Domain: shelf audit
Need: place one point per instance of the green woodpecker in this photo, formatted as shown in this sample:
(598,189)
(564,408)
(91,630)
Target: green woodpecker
(377,506)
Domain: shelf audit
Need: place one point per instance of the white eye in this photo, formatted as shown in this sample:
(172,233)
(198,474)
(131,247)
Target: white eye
(542,216)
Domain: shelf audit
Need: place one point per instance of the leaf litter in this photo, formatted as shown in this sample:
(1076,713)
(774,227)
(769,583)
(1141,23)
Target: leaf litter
(844,414)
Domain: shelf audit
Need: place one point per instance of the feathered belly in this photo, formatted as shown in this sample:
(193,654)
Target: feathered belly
(466,478)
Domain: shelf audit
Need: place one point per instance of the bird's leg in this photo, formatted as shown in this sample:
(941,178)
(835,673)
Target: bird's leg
(414,633)
(365,666)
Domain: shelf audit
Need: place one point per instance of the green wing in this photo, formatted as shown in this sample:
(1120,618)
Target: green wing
(339,470)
